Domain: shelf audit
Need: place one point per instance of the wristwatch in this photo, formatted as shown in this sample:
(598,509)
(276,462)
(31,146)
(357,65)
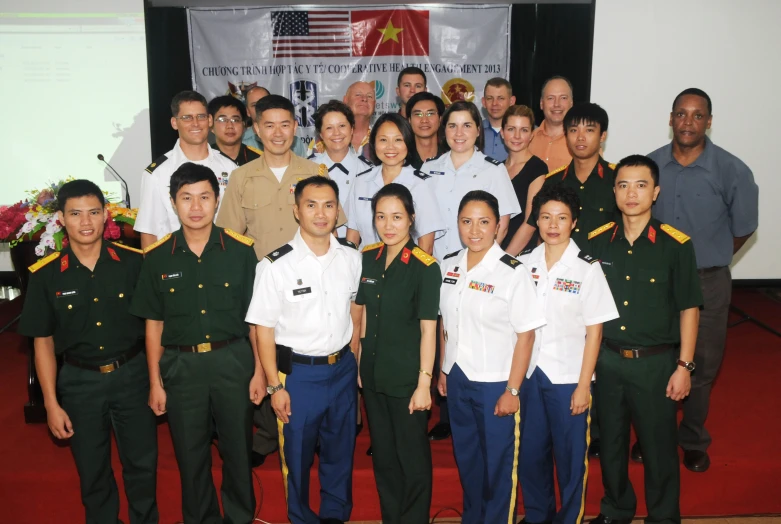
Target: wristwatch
(513,391)
(273,389)
(688,366)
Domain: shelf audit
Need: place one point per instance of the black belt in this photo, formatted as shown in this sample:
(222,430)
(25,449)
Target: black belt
(637,351)
(331,359)
(115,364)
(706,270)
(206,347)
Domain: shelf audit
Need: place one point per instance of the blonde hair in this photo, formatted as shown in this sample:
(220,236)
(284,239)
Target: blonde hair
(518,110)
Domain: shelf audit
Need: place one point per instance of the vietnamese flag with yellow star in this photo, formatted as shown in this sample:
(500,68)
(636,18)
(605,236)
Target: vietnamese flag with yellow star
(397,32)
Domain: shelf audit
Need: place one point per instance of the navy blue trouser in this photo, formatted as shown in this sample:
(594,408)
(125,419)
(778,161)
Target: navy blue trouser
(486,449)
(323,403)
(549,431)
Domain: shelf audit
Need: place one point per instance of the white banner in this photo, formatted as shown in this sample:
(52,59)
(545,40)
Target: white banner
(313,55)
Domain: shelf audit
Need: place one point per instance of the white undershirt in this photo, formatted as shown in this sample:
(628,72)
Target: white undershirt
(496,129)
(279,172)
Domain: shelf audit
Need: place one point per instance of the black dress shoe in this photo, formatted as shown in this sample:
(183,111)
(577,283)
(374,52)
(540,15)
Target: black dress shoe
(257,459)
(524,521)
(369,451)
(602,519)
(358,429)
(331,521)
(593,448)
(696,460)
(637,453)
(439,432)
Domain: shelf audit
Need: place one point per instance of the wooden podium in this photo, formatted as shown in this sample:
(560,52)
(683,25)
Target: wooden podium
(23,255)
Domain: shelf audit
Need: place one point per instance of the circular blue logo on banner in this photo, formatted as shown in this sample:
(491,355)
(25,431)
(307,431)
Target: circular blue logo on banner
(379,89)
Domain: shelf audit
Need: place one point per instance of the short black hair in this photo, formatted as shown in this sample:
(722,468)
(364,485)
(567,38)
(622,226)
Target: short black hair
(398,191)
(558,193)
(186,96)
(333,106)
(478,195)
(190,173)
(77,189)
(274,102)
(696,92)
(586,113)
(420,97)
(469,107)
(411,70)
(639,161)
(406,132)
(314,181)
(557,77)
(219,102)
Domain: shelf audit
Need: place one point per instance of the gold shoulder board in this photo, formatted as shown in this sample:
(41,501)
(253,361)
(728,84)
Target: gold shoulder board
(423,256)
(42,262)
(612,166)
(160,242)
(247,241)
(123,246)
(601,229)
(255,150)
(557,170)
(677,235)
(322,170)
(372,246)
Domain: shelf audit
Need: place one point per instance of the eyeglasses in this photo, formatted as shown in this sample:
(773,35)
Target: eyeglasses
(189,118)
(235,120)
(427,114)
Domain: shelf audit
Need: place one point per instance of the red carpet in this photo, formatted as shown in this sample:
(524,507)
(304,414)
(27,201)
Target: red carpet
(38,481)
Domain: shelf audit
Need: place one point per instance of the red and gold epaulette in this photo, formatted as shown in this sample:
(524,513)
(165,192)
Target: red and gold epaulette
(133,249)
(601,229)
(372,246)
(557,170)
(159,243)
(322,170)
(612,166)
(42,262)
(247,241)
(423,256)
(255,150)
(677,235)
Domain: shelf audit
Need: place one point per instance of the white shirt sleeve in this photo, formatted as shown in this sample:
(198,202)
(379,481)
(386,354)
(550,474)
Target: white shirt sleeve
(428,217)
(152,214)
(350,210)
(502,189)
(265,308)
(524,313)
(596,299)
(358,267)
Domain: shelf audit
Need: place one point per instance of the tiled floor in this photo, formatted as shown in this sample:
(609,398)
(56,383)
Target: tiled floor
(714,520)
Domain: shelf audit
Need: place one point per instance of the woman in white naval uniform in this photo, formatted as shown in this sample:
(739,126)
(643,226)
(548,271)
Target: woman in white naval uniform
(334,123)
(463,168)
(487,302)
(575,298)
(392,146)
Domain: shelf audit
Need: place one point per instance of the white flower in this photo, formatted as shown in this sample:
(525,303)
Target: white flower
(40,250)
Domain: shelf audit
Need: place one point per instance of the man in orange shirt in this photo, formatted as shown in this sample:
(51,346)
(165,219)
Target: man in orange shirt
(548,140)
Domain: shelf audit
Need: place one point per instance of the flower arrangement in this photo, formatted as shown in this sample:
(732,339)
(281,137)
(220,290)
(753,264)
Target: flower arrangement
(38,213)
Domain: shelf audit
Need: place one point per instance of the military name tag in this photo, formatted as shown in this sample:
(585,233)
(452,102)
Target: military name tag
(450,281)
(365,198)
(169,276)
(366,280)
(302,291)
(451,274)
(437,172)
(68,293)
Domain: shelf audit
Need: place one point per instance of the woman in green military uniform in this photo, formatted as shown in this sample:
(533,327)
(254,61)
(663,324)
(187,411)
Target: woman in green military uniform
(400,291)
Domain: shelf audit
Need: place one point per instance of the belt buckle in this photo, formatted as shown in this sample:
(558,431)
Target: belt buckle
(333,358)
(108,368)
(627,353)
(204,347)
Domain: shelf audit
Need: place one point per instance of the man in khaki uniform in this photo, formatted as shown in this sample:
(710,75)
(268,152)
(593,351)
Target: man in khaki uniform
(258,202)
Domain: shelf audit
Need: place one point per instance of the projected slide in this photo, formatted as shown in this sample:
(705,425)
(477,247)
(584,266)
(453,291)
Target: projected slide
(74,85)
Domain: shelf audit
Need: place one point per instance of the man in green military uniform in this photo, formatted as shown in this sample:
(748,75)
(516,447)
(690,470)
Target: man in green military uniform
(194,291)
(647,354)
(77,307)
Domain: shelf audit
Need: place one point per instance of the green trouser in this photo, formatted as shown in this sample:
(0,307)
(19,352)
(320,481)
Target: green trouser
(633,390)
(401,454)
(97,403)
(201,388)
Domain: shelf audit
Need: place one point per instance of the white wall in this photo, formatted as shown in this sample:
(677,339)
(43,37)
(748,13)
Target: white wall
(646,52)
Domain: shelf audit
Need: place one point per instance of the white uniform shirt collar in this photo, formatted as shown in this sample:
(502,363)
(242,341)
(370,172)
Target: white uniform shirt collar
(476,159)
(537,257)
(301,250)
(495,252)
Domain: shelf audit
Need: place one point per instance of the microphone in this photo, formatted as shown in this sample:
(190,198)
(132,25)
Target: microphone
(122,180)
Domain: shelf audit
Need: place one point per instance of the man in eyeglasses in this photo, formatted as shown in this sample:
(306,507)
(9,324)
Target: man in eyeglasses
(229,117)
(424,111)
(190,118)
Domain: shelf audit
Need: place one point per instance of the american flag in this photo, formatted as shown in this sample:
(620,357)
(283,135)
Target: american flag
(311,33)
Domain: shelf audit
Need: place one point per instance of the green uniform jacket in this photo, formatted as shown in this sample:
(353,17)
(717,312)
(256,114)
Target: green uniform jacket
(396,300)
(597,199)
(652,281)
(200,299)
(87,312)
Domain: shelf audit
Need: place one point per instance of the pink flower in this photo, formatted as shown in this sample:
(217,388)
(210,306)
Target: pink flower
(112,230)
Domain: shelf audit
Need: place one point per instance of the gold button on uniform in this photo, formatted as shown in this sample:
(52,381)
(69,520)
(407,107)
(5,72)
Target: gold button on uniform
(199,260)
(601,209)
(203,312)
(200,286)
(227,285)
(581,187)
(102,348)
(207,337)
(630,251)
(70,306)
(626,302)
(627,277)
(623,328)
(121,295)
(98,324)
(171,290)
(653,280)
(95,299)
